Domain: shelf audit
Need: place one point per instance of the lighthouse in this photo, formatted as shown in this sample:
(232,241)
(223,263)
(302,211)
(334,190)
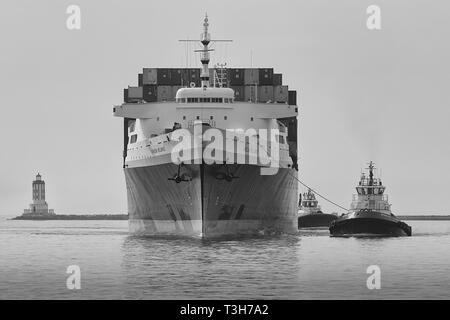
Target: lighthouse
(39,205)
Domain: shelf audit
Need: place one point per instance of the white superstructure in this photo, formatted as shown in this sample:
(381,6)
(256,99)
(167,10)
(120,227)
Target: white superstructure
(150,124)
(309,204)
(370,194)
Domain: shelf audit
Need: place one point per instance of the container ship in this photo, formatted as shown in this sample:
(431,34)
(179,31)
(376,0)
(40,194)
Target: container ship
(370,212)
(310,214)
(200,196)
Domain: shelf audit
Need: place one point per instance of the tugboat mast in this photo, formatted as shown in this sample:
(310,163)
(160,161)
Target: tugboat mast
(371,167)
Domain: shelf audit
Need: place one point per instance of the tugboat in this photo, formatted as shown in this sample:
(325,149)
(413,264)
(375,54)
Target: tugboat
(370,213)
(310,214)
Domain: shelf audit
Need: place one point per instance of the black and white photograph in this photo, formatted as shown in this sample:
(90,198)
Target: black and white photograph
(200,151)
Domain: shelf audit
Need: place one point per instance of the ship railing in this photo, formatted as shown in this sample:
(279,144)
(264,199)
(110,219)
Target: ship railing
(379,197)
(365,205)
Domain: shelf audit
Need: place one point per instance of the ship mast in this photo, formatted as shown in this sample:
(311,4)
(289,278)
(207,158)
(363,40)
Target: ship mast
(371,167)
(204,55)
(205,40)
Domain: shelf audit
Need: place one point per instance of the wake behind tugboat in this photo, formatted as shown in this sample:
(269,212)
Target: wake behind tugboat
(370,213)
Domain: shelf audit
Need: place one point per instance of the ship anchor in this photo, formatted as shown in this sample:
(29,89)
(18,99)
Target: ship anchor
(228,175)
(180,177)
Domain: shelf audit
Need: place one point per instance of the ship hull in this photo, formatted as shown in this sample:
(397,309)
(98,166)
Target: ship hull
(369,223)
(217,201)
(316,220)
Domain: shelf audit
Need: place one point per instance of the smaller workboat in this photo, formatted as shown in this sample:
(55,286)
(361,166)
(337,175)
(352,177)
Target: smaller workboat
(310,214)
(370,213)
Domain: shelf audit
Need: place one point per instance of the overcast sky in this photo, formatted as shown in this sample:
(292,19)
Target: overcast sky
(364,95)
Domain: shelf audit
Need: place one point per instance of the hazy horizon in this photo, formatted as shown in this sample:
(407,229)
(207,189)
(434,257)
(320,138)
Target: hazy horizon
(363,95)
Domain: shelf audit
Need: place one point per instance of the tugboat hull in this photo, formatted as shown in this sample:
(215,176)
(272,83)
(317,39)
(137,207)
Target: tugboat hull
(369,224)
(316,220)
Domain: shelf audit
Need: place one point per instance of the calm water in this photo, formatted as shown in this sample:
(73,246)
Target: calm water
(34,256)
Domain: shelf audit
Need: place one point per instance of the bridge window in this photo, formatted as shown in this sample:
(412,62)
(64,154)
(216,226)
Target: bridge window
(184,117)
(225,118)
(133,138)
(205,100)
(251,119)
(198,117)
(211,117)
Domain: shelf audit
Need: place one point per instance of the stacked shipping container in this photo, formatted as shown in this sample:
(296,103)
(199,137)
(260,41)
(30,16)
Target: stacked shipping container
(236,77)
(149,93)
(171,77)
(249,84)
(239,94)
(277,79)
(266,77)
(280,94)
(251,77)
